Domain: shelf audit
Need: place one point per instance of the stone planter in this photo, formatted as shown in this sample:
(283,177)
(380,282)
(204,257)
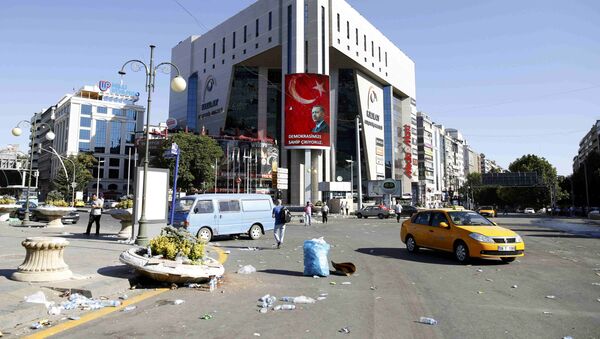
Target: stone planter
(5,211)
(43,261)
(54,214)
(125,215)
(170,270)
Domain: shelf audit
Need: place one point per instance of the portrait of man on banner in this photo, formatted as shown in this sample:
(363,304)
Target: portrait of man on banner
(307,117)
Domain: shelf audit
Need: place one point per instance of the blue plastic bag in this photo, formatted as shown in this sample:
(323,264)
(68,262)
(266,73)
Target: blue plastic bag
(315,257)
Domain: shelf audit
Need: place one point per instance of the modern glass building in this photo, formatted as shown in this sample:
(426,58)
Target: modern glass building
(237,87)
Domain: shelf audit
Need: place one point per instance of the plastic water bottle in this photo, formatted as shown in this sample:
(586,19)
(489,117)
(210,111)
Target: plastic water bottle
(428,321)
(149,252)
(288,299)
(284,307)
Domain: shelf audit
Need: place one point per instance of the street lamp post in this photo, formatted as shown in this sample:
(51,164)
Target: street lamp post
(49,136)
(98,177)
(351,162)
(358,160)
(178,84)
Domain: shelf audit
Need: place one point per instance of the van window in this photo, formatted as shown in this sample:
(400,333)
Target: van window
(229,206)
(256,205)
(203,207)
(183,205)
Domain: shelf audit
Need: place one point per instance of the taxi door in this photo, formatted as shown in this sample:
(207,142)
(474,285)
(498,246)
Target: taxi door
(441,238)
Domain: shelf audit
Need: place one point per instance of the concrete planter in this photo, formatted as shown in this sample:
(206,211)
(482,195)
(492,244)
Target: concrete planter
(125,215)
(5,211)
(170,270)
(44,260)
(54,214)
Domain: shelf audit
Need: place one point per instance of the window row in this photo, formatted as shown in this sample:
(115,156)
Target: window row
(129,113)
(357,39)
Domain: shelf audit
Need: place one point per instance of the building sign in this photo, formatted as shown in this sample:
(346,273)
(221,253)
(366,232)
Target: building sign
(371,109)
(307,111)
(104,85)
(210,100)
(107,86)
(407,151)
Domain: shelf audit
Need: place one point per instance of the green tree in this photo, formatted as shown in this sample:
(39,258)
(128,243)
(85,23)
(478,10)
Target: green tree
(196,159)
(84,163)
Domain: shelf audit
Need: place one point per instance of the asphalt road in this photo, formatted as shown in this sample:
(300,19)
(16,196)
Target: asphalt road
(389,292)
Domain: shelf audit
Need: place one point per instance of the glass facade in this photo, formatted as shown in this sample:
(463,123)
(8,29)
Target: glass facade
(114,162)
(84,146)
(113,174)
(192,102)
(100,136)
(115,137)
(274,104)
(84,134)
(388,130)
(346,133)
(101,110)
(85,122)
(398,140)
(131,114)
(242,115)
(130,132)
(86,109)
(117,112)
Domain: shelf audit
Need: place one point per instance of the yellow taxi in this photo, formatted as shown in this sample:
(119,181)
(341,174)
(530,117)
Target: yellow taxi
(487,211)
(465,233)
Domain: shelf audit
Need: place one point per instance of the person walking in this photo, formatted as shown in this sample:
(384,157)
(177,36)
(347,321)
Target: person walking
(308,214)
(398,210)
(95,214)
(346,207)
(279,216)
(325,212)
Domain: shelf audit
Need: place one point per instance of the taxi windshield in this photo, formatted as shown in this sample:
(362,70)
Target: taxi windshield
(468,218)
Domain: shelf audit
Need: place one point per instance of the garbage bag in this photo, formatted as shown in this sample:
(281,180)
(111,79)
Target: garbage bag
(315,257)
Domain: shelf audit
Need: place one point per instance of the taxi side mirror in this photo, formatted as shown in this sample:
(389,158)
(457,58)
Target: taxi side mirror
(495,224)
(444,225)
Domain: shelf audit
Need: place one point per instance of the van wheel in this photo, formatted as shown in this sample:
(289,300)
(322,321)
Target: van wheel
(205,234)
(255,232)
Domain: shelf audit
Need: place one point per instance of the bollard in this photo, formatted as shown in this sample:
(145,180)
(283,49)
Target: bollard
(43,261)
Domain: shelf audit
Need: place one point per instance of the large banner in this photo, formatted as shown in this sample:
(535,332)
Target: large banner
(307,123)
(371,109)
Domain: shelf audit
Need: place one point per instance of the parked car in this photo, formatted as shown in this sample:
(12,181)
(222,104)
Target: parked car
(487,211)
(408,210)
(108,204)
(465,233)
(71,218)
(374,211)
(205,215)
(529,210)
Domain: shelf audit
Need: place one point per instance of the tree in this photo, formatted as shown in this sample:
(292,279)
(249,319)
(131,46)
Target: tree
(197,154)
(84,163)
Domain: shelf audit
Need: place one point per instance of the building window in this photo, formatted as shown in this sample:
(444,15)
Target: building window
(372,49)
(131,114)
(256,27)
(113,174)
(347,29)
(386,59)
(204,55)
(130,132)
(84,146)
(85,122)
(86,109)
(379,52)
(101,110)
(100,136)
(338,22)
(117,112)
(270,20)
(365,41)
(233,41)
(356,31)
(223,46)
(245,33)
(114,162)
(84,134)
(192,102)
(115,137)
(214,49)
(113,187)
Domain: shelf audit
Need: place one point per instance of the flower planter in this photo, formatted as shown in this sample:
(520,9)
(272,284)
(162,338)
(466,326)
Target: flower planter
(54,214)
(44,260)
(125,216)
(169,270)
(5,210)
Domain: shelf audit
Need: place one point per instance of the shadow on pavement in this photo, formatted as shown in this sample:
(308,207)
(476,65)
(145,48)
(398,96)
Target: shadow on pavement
(284,272)
(424,256)
(564,235)
(117,271)
(259,248)
(7,272)
(517,228)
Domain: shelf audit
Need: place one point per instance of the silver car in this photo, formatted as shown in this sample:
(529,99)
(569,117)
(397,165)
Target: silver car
(374,211)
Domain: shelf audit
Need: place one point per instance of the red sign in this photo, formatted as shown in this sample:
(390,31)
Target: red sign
(307,122)
(407,151)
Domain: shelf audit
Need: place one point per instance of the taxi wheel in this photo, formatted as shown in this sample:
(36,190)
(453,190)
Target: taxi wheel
(508,259)
(380,216)
(461,252)
(255,232)
(205,234)
(411,244)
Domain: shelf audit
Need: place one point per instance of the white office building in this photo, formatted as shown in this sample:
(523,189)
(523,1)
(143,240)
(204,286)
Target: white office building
(101,119)
(236,75)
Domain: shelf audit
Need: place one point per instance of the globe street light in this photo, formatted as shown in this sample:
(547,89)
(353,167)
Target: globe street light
(16,131)
(178,84)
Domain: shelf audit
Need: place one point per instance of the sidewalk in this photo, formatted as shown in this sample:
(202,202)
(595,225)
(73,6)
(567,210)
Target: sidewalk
(93,261)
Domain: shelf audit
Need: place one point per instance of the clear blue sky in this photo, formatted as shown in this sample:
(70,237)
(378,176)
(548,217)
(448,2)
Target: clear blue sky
(515,77)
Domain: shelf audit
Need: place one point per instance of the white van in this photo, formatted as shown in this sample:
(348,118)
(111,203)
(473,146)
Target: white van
(207,215)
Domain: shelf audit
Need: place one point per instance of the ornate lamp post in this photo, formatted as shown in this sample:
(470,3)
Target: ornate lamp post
(178,84)
(49,136)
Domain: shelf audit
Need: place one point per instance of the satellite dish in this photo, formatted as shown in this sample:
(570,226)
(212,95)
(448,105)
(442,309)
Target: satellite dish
(339,178)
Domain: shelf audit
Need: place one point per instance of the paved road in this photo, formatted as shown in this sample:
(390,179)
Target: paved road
(390,291)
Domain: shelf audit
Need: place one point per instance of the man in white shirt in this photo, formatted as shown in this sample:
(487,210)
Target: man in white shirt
(95,214)
(398,210)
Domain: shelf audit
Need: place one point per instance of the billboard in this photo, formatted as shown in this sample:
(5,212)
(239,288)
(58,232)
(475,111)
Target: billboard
(371,109)
(307,118)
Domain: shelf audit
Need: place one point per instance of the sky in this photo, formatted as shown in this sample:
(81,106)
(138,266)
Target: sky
(515,77)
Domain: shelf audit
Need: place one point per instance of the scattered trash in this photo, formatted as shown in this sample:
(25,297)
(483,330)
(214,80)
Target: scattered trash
(480,270)
(267,300)
(428,321)
(303,300)
(567,337)
(256,334)
(284,307)
(248,269)
(479,292)
(85,303)
(228,252)
(316,277)
(321,298)
(178,301)
(344,330)
(346,283)
(40,324)
(323,294)
(550,297)
(598,300)
(488,279)
(264,310)
(332,283)
(124,297)
(54,310)
(346,268)
(596,283)
(315,257)
(206,317)
(129,308)
(514,286)
(250,249)
(547,313)
(66,233)
(373,288)
(38,298)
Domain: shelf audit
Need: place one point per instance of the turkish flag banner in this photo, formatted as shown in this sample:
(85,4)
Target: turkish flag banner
(307,118)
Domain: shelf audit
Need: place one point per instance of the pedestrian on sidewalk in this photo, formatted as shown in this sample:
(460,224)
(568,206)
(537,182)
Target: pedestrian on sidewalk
(279,212)
(308,214)
(95,214)
(324,212)
(398,210)
(346,207)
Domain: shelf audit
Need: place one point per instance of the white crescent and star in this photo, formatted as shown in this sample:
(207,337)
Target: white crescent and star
(318,87)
